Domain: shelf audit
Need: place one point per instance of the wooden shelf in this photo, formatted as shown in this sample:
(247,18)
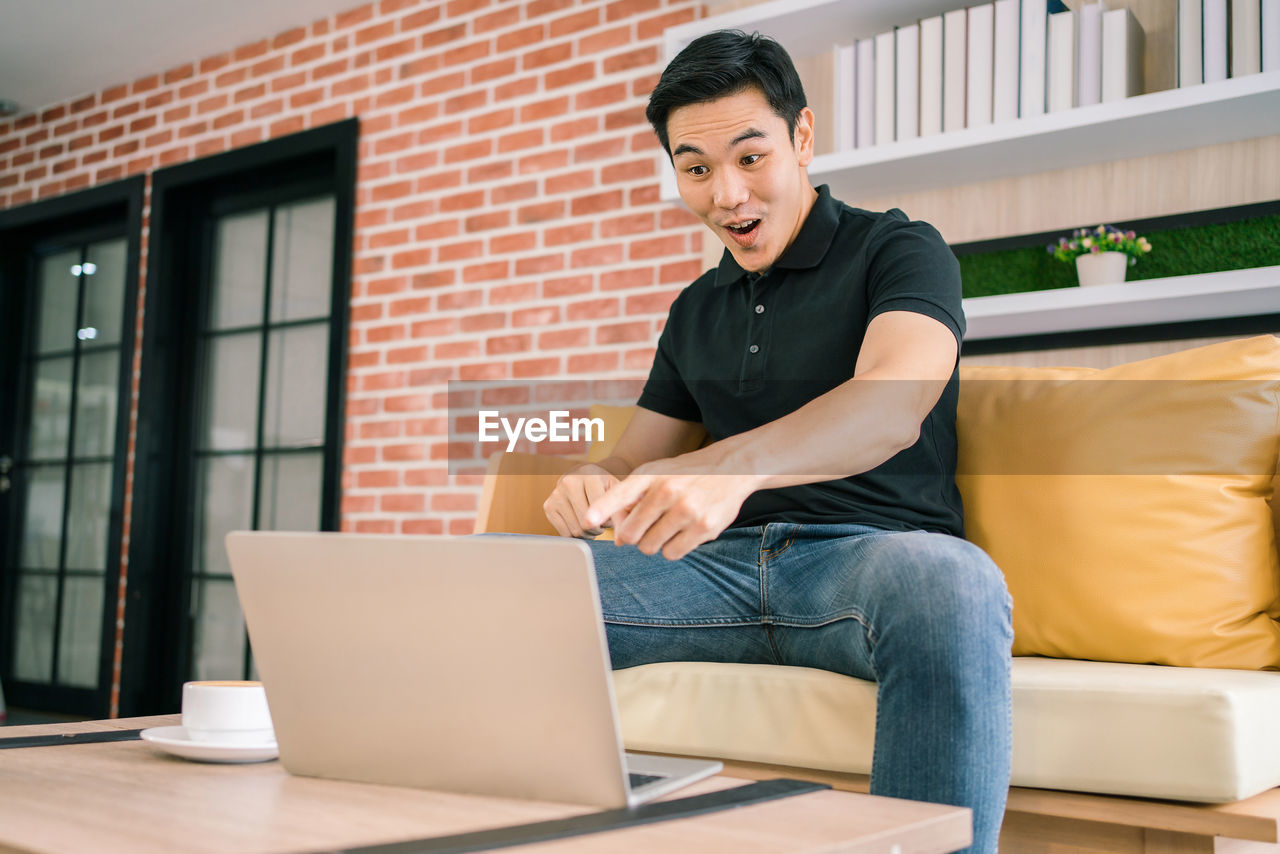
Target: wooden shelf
(1233,293)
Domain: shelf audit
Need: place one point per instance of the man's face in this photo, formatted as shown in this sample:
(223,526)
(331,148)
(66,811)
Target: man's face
(740,171)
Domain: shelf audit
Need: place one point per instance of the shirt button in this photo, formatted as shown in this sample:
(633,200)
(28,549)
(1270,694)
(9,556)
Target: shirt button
(759,309)
(754,348)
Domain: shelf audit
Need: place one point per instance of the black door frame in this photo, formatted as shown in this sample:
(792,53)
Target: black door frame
(108,210)
(156,642)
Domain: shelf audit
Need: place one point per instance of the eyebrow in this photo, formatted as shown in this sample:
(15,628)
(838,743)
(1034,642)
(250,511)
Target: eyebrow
(749,133)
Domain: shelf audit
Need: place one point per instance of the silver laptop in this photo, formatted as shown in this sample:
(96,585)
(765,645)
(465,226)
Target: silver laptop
(468,664)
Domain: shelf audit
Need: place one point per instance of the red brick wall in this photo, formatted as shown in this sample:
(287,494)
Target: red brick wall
(508,223)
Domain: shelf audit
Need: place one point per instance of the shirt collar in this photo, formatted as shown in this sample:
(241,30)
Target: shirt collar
(809,247)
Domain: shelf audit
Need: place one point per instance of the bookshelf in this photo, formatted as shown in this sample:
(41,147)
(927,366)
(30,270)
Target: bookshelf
(1159,122)
(1156,123)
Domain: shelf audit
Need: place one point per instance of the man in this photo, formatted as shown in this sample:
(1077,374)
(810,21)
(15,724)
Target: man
(822,526)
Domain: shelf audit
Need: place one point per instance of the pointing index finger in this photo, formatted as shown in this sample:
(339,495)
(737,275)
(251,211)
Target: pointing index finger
(621,496)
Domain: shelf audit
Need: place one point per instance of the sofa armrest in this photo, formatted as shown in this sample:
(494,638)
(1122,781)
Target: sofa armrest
(515,486)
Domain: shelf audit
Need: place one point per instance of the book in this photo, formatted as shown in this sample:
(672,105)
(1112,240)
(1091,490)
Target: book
(907,85)
(817,76)
(931,76)
(955,65)
(1122,46)
(845,88)
(1190,67)
(865,128)
(1061,62)
(1215,40)
(981,66)
(1089,86)
(1246,37)
(1008,37)
(1031,77)
(1271,35)
(885,96)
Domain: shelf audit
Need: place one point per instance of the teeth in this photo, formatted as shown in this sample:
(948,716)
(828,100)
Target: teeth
(745,227)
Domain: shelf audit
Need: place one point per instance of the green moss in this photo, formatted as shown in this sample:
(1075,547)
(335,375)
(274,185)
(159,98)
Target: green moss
(1174,252)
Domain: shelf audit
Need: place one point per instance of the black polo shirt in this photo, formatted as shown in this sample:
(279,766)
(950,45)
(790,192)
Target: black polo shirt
(741,350)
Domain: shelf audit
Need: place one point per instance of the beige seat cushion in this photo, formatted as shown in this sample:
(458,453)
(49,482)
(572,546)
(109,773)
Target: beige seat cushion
(1194,734)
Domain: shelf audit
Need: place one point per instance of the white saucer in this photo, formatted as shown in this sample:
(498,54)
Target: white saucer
(174,740)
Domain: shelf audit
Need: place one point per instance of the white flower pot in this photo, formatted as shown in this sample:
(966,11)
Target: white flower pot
(1105,268)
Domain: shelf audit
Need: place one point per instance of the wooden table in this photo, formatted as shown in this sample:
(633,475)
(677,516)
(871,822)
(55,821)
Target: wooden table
(126,797)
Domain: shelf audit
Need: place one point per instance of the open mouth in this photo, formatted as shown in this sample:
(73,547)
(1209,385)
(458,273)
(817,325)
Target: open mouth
(745,228)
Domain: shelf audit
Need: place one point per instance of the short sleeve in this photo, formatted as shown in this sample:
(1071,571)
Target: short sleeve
(666,392)
(911,268)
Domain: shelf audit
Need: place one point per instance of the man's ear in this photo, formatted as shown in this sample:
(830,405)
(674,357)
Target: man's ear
(804,137)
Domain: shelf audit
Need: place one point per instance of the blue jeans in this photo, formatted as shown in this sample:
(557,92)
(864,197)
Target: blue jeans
(926,616)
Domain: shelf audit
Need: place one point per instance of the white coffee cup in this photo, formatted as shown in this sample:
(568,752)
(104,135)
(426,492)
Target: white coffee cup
(226,713)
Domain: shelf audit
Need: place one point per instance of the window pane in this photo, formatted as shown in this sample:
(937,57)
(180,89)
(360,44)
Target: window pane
(302,266)
(33,655)
(290,498)
(42,531)
(59,290)
(81,632)
(219,631)
(297,371)
(50,409)
(239,264)
(96,403)
(104,293)
(225,496)
(231,392)
(90,516)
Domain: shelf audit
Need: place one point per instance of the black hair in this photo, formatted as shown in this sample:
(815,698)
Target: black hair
(721,64)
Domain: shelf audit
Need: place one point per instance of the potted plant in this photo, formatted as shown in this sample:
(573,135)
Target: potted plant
(1102,255)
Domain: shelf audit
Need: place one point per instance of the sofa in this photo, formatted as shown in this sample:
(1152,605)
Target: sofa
(1133,512)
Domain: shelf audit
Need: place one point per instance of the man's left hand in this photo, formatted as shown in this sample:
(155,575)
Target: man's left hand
(672,505)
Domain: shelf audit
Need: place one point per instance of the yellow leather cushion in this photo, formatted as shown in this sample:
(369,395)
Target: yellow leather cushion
(1128,507)
(616,419)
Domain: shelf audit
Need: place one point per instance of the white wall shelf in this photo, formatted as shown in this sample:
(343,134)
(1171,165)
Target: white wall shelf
(808,27)
(1177,119)
(1232,293)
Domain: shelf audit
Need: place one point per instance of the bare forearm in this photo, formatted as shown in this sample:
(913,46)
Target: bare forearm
(851,429)
(650,436)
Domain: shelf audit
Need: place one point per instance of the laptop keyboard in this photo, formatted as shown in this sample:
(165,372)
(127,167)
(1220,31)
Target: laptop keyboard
(638,780)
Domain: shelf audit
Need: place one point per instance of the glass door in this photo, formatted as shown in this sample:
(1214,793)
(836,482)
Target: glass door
(258,451)
(240,408)
(65,478)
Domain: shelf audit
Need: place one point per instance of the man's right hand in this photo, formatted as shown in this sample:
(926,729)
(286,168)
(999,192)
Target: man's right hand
(574,492)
